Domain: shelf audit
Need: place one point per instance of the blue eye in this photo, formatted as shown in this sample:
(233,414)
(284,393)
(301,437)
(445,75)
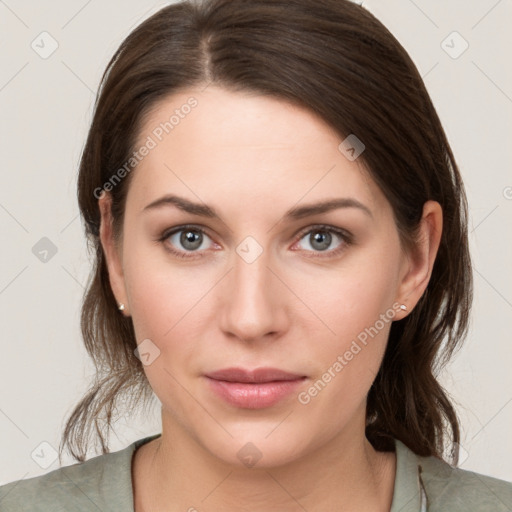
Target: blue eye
(192,239)
(320,239)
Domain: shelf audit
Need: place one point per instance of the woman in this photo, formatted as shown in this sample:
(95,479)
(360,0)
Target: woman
(280,235)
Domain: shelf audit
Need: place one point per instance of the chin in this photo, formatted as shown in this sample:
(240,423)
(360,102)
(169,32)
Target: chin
(255,449)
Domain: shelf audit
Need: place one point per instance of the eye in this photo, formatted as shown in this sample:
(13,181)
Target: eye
(188,239)
(184,241)
(320,238)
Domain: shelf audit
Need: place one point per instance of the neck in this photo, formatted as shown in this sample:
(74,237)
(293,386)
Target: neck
(175,472)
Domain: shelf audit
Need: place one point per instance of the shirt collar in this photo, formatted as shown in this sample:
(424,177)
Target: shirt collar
(408,494)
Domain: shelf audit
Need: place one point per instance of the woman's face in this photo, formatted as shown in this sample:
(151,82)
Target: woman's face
(260,281)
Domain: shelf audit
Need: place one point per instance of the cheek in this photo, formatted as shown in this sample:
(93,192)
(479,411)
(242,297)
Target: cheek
(348,365)
(354,298)
(357,305)
(162,296)
(164,304)
(169,306)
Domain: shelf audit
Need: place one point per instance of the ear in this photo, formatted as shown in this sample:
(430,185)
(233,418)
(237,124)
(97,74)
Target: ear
(419,262)
(113,253)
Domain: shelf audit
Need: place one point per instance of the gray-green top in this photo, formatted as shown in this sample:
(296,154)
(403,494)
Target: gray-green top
(104,484)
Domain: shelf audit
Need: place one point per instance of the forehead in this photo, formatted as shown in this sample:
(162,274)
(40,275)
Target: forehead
(244,146)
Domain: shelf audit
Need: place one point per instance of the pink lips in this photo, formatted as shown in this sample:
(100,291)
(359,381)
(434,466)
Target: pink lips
(253,389)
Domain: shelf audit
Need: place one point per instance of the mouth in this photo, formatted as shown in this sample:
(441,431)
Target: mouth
(258,375)
(253,389)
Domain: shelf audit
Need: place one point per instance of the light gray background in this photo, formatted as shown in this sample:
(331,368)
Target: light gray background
(46,107)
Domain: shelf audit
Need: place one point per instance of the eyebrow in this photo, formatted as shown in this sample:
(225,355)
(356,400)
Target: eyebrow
(295,213)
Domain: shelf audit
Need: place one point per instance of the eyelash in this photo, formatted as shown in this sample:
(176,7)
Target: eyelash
(345,236)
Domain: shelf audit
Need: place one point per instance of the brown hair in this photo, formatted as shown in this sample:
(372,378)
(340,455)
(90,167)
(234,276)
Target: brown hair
(336,59)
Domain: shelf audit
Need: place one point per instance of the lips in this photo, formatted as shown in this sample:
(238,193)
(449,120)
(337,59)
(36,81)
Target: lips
(253,389)
(258,375)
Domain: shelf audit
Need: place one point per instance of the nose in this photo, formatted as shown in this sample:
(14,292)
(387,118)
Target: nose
(253,301)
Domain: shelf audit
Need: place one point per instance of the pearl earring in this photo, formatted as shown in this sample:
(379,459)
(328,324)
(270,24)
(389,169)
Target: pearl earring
(121,307)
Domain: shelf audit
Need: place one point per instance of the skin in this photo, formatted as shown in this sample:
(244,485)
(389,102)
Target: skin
(252,158)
